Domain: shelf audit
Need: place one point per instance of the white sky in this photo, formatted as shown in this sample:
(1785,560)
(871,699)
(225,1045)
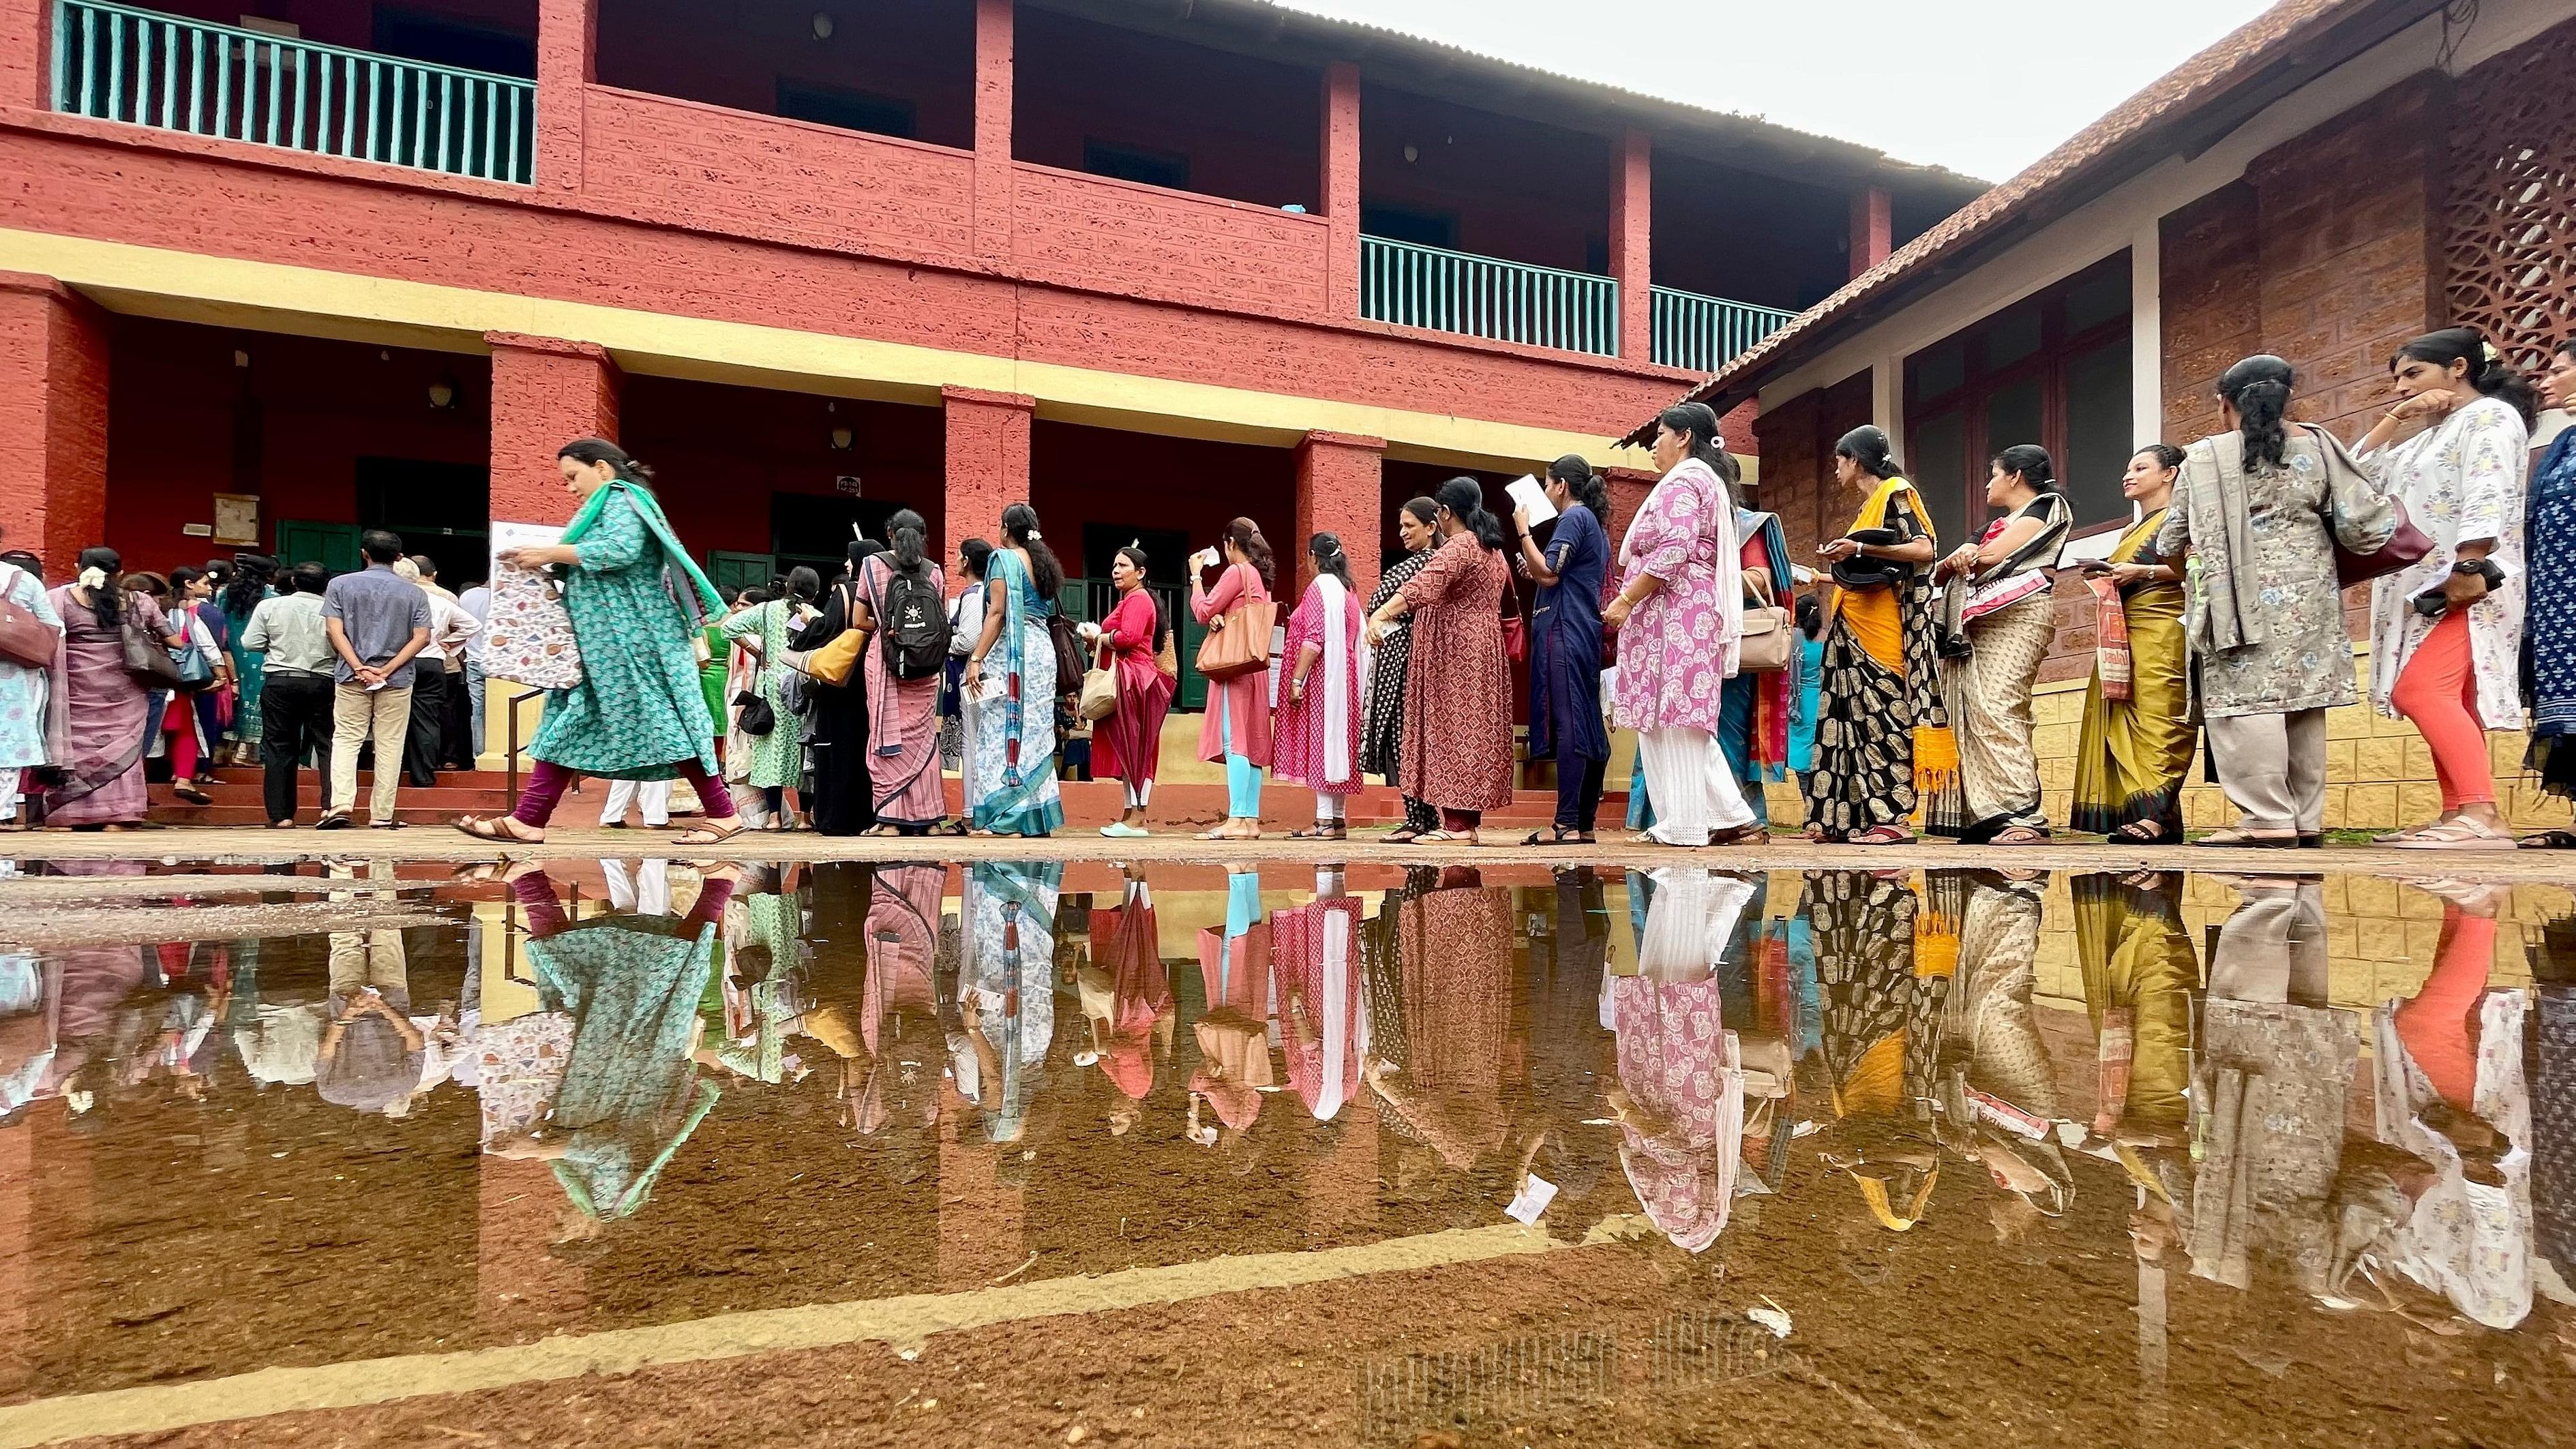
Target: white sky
(1981,86)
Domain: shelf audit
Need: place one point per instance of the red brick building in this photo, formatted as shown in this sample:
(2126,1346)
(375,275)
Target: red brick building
(342,263)
(2333,179)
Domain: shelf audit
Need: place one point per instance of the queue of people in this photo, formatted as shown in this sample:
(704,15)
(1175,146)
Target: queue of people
(228,665)
(1901,693)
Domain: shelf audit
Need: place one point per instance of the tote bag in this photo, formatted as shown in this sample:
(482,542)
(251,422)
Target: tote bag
(1099,687)
(24,638)
(1243,645)
(528,637)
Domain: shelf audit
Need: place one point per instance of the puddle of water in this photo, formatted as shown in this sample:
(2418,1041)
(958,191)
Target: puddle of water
(2264,1123)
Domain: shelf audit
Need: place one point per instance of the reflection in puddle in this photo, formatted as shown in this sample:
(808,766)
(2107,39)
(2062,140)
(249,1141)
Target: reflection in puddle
(592,1096)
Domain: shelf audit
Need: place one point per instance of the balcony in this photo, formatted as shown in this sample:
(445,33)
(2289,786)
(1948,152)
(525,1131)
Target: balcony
(175,74)
(1445,291)
(1703,334)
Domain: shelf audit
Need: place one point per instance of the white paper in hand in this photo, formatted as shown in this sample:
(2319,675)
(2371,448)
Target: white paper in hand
(1536,1193)
(1527,494)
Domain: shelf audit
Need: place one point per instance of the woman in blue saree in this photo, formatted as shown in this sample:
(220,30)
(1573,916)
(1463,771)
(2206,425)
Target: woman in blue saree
(1012,671)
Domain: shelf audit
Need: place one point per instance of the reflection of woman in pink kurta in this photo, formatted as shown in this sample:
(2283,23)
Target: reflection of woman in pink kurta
(1318,739)
(1323,1024)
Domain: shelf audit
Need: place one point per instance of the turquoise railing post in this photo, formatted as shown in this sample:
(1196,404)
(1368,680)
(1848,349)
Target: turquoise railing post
(1703,334)
(142,67)
(1440,290)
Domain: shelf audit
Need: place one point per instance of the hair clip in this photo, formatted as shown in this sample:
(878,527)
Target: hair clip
(2492,354)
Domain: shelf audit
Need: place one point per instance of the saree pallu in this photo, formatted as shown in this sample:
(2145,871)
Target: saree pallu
(1015,731)
(1882,731)
(1989,697)
(2134,755)
(2139,973)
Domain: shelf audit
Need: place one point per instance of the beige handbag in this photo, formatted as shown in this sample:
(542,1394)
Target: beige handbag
(1099,686)
(1770,640)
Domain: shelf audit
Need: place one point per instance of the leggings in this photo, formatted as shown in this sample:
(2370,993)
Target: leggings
(179,727)
(2439,1024)
(535,893)
(547,782)
(1242,777)
(2438,692)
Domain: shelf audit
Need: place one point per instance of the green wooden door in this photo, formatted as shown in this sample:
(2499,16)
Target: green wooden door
(333,545)
(731,573)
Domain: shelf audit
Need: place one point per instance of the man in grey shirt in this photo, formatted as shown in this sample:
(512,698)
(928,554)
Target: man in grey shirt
(378,621)
(295,702)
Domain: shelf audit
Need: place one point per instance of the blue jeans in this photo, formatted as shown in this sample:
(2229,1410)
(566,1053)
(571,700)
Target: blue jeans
(1242,777)
(474,693)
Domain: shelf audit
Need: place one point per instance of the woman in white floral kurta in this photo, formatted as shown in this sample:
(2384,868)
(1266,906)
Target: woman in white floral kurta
(2453,453)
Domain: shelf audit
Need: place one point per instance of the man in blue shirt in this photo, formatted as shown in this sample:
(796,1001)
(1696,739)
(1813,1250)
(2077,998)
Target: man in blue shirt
(377,621)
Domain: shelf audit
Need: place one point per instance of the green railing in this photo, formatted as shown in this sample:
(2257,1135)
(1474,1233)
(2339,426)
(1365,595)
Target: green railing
(1446,291)
(177,74)
(1703,334)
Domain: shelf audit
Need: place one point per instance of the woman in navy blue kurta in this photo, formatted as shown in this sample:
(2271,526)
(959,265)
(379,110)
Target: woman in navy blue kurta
(1565,646)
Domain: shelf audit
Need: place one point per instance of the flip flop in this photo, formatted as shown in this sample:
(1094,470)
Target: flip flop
(2247,840)
(2548,840)
(710,835)
(488,828)
(2456,834)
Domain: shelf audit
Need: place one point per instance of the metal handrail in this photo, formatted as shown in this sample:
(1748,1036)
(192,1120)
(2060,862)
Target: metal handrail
(1703,334)
(1412,285)
(172,73)
(515,701)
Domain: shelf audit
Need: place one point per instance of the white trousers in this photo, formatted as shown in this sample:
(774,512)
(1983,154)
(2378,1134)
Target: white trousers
(1691,786)
(654,796)
(645,890)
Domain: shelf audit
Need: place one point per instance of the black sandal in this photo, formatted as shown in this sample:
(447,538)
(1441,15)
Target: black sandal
(1404,835)
(2548,840)
(1557,835)
(2128,834)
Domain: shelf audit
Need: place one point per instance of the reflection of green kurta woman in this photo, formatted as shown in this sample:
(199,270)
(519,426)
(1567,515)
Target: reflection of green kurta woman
(630,1093)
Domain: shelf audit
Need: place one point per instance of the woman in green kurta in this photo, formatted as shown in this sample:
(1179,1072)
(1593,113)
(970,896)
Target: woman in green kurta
(637,602)
(777,757)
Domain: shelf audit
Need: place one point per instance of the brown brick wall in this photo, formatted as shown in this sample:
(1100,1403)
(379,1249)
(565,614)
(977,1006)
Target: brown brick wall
(1797,444)
(2211,309)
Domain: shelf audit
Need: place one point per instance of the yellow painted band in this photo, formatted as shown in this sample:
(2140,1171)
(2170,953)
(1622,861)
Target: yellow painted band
(904,1322)
(269,296)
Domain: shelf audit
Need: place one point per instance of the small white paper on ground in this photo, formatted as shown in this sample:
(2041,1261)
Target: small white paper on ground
(1771,1316)
(1536,1193)
(1527,493)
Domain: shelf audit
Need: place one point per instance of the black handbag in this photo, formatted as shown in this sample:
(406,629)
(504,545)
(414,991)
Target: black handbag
(1860,571)
(757,717)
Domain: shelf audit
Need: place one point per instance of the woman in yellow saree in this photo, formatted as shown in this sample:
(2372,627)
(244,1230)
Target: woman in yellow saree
(2137,742)
(1882,737)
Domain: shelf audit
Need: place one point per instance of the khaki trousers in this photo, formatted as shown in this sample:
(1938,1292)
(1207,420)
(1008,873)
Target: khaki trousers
(2273,768)
(358,714)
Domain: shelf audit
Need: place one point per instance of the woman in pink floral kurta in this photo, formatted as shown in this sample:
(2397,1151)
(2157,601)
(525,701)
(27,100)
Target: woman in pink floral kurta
(1680,616)
(1458,689)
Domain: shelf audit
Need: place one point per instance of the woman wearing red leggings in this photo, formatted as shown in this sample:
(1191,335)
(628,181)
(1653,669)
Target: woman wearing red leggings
(2446,633)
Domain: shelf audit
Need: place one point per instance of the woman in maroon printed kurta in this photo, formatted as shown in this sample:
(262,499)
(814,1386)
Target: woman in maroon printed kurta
(1458,688)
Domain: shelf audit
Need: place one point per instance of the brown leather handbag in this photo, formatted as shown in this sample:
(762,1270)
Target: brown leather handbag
(1243,645)
(24,638)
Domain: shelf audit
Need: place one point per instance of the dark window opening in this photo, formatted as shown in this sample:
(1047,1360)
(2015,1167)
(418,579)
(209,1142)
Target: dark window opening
(2053,370)
(1140,164)
(443,510)
(817,529)
(830,105)
(1411,224)
(441,41)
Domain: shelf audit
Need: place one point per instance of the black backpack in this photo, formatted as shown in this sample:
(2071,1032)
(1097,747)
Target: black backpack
(913,621)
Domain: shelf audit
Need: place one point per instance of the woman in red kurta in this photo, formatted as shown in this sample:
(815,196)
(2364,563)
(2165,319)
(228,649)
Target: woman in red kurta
(1236,727)
(1129,743)
(1458,688)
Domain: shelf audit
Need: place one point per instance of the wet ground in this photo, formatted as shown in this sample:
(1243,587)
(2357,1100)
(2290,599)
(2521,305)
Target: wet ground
(1043,1152)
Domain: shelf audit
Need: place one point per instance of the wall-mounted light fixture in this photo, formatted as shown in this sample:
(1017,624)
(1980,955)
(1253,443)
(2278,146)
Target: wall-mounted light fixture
(842,438)
(1412,152)
(240,358)
(442,394)
(822,25)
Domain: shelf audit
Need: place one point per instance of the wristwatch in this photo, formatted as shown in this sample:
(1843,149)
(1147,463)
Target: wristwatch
(2485,568)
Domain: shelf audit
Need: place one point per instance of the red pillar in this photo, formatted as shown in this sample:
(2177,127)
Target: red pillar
(993,91)
(1341,190)
(1873,228)
(53,420)
(567,45)
(1340,490)
(1632,191)
(1628,488)
(545,393)
(987,467)
(26,33)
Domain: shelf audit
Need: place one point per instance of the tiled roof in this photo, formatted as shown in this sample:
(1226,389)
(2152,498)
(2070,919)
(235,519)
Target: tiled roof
(2135,135)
